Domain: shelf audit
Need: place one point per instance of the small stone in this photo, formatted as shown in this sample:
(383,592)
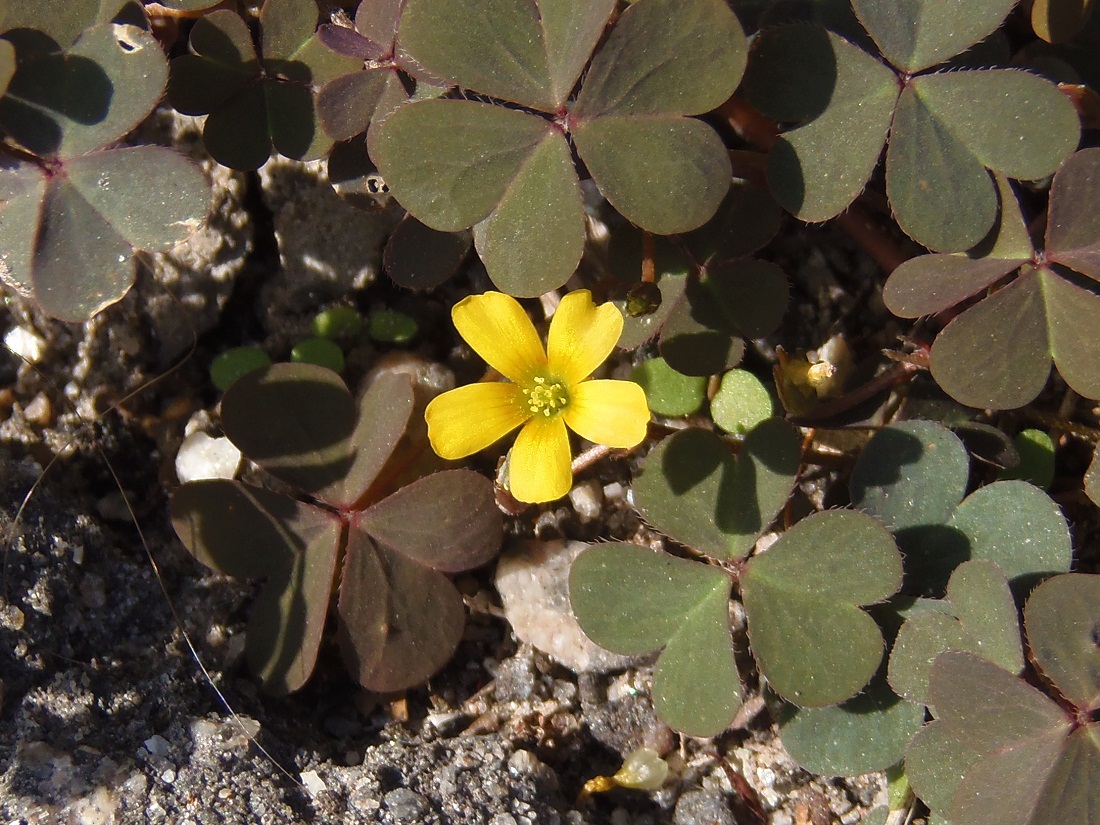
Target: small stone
(533,581)
(26,343)
(313,782)
(155,746)
(39,411)
(406,806)
(587,500)
(202,456)
(702,807)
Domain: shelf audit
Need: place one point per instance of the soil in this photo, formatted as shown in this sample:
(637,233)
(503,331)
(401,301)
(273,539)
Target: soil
(124,697)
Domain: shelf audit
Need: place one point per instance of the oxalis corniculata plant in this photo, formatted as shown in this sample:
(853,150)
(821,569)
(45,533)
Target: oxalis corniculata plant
(932,617)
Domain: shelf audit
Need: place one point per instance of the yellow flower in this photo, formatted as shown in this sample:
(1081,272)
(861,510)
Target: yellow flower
(543,393)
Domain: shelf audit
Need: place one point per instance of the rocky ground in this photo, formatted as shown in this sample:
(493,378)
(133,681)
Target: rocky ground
(123,694)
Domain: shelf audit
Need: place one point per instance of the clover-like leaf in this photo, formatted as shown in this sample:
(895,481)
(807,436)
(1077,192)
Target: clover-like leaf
(947,130)
(926,284)
(830,87)
(256,102)
(1000,751)
(61,22)
(913,476)
(300,423)
(69,239)
(917,34)
(507,172)
(979,616)
(67,101)
(667,391)
(803,597)
(419,257)
(739,299)
(693,490)
(663,171)
(399,618)
(241,530)
(946,198)
(1063,625)
(529,53)
(1092,477)
(399,621)
(1073,221)
(630,600)
(866,733)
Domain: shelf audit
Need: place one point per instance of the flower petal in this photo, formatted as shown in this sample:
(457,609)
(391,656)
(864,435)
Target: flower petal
(582,335)
(470,418)
(614,413)
(540,468)
(498,329)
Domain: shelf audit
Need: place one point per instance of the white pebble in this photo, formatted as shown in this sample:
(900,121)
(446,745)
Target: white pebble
(313,782)
(587,500)
(201,456)
(26,343)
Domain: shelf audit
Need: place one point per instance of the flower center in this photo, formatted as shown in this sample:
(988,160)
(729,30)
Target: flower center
(546,396)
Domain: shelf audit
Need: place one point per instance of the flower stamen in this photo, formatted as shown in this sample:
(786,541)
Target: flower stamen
(547,398)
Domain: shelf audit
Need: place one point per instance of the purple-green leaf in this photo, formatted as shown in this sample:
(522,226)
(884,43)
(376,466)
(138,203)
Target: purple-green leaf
(1062,618)
(1073,224)
(630,600)
(67,103)
(812,76)
(460,527)
(917,34)
(241,530)
(399,621)
(419,257)
(528,53)
(803,597)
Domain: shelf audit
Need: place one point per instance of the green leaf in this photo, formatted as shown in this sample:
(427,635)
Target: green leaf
(68,103)
(1062,629)
(1017,526)
(299,422)
(746,220)
(693,490)
(739,299)
(1019,759)
(1073,224)
(541,210)
(667,391)
(419,257)
(389,326)
(866,733)
(997,354)
(742,402)
(319,351)
(917,34)
(1036,451)
(630,600)
(398,621)
(508,171)
(528,53)
(70,238)
(803,597)
(950,127)
(665,173)
(911,475)
(235,362)
(651,67)
(980,618)
(61,22)
(240,530)
(807,74)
